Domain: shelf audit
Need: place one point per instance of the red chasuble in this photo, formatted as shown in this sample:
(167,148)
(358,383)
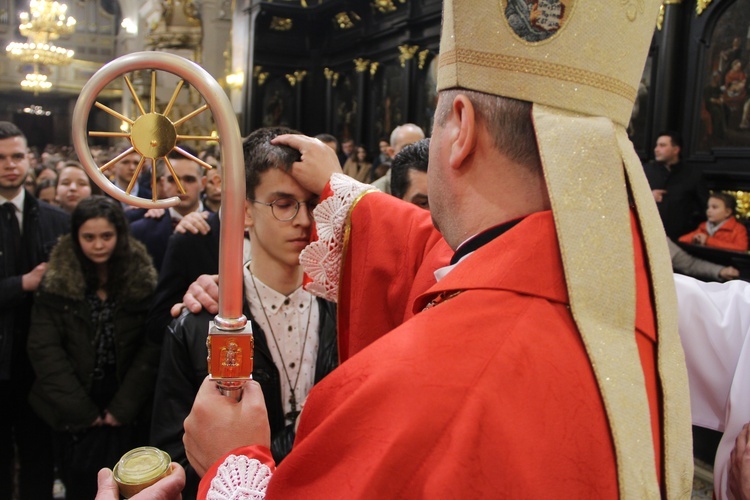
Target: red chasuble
(488,394)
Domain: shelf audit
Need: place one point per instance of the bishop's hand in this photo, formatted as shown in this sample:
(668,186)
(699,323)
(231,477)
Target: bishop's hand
(317,162)
(217,424)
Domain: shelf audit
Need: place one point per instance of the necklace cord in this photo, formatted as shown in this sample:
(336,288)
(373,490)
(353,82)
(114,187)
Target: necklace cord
(293,398)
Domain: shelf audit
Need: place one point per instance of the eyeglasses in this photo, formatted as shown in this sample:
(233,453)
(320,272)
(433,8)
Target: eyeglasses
(286,209)
(185,179)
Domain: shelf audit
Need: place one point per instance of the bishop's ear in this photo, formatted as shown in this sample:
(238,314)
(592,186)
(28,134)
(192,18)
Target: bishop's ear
(463,130)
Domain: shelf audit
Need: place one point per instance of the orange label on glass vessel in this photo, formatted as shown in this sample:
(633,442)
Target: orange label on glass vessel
(230,356)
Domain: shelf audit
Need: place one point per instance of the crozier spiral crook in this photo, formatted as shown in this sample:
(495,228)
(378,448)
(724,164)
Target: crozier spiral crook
(153,135)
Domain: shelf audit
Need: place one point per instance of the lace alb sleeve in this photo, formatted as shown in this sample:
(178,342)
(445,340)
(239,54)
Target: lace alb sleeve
(240,477)
(322,259)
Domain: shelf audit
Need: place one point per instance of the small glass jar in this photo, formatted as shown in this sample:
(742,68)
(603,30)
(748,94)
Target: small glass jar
(140,468)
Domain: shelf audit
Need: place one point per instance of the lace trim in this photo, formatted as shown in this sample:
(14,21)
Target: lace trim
(322,259)
(240,477)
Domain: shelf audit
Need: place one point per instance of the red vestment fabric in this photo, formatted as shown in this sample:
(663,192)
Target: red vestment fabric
(488,394)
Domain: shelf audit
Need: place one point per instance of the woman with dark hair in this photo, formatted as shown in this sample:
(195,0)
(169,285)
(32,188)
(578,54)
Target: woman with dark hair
(45,191)
(358,164)
(95,370)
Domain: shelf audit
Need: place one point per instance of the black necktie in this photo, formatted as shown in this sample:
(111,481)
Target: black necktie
(14,231)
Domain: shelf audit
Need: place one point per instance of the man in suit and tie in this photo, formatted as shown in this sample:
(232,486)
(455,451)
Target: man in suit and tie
(154,232)
(29,228)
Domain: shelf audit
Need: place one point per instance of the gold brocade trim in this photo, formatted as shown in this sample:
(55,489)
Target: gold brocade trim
(676,424)
(539,68)
(604,316)
(345,249)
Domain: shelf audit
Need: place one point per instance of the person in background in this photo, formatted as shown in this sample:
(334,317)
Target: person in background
(46,173)
(678,189)
(30,183)
(357,165)
(333,143)
(212,193)
(45,191)
(409,174)
(155,231)
(383,156)
(684,263)
(347,150)
(95,370)
(721,229)
(29,228)
(73,185)
(402,136)
(124,170)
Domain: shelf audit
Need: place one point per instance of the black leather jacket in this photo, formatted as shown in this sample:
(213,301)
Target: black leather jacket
(183,368)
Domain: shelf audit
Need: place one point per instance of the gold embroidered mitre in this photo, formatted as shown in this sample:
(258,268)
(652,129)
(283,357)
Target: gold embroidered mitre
(582,56)
(579,62)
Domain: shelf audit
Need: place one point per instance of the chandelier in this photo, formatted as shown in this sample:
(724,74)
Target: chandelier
(46,21)
(41,53)
(36,82)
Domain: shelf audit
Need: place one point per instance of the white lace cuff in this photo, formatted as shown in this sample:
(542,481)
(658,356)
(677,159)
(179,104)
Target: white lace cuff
(240,477)
(322,259)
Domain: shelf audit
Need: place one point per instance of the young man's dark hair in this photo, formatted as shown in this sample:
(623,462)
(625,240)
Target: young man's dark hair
(412,157)
(9,130)
(261,155)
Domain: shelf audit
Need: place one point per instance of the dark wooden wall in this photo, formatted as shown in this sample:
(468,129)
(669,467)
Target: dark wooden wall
(686,54)
(364,106)
(336,96)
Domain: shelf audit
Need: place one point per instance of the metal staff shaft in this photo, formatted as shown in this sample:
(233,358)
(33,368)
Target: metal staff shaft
(230,336)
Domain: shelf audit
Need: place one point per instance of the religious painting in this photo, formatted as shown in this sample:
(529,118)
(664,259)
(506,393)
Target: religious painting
(724,112)
(277,103)
(389,101)
(345,107)
(536,20)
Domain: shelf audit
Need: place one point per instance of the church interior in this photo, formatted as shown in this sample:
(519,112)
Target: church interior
(356,69)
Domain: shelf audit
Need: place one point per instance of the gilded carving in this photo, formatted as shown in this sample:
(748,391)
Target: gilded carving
(331,76)
(660,18)
(296,77)
(701,5)
(346,20)
(260,75)
(361,65)
(281,23)
(423,58)
(374,69)
(407,53)
(384,6)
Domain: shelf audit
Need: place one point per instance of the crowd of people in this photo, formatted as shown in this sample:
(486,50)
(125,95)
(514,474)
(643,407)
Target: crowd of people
(455,317)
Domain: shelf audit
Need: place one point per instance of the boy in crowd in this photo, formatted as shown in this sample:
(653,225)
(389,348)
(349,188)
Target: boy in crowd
(721,230)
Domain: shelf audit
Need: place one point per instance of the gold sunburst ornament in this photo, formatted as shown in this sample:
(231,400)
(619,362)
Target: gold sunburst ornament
(153,135)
